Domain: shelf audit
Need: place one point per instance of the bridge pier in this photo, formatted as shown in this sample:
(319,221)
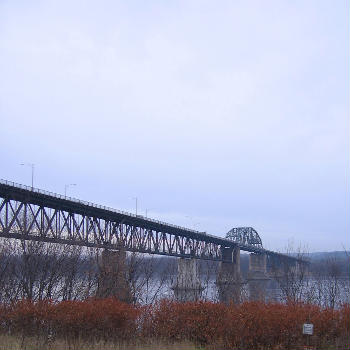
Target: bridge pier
(187,286)
(61,217)
(257,277)
(229,278)
(113,276)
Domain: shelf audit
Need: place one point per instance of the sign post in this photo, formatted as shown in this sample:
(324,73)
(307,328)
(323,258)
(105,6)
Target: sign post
(308,330)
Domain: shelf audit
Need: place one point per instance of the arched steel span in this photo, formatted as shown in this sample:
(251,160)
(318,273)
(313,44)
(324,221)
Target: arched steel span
(33,214)
(245,235)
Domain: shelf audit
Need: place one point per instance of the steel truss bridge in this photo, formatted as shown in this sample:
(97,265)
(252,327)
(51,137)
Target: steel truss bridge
(28,213)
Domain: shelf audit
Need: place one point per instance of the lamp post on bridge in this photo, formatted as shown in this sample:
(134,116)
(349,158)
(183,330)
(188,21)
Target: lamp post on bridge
(32,165)
(147,211)
(135,203)
(66,187)
(189,217)
(193,224)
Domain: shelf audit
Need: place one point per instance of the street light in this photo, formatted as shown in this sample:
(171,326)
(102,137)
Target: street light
(147,210)
(32,166)
(66,187)
(189,218)
(135,203)
(193,224)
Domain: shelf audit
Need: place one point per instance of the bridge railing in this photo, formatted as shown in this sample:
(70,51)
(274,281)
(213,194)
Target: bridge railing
(60,196)
(224,241)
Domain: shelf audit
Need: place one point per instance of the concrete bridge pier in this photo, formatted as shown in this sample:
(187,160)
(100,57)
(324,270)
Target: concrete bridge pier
(187,286)
(113,276)
(257,277)
(229,280)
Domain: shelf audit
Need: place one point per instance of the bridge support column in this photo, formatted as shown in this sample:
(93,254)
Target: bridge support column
(257,277)
(187,286)
(229,278)
(113,276)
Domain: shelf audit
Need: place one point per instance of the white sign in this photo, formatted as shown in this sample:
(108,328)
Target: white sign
(308,328)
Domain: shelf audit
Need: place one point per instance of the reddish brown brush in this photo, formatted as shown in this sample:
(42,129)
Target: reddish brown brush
(251,325)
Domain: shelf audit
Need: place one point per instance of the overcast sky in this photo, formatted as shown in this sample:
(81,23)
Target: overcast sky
(214,114)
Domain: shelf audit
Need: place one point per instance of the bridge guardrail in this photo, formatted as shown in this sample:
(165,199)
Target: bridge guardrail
(223,241)
(72,199)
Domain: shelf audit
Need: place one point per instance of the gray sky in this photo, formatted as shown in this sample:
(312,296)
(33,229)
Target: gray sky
(215,114)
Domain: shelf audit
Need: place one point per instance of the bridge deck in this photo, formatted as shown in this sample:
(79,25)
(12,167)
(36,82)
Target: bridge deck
(35,214)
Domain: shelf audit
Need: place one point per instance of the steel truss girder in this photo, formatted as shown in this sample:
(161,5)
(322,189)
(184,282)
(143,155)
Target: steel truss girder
(32,214)
(24,220)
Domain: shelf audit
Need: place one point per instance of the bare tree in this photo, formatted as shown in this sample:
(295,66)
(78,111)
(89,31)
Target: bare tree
(38,269)
(149,277)
(291,276)
(208,271)
(9,289)
(332,283)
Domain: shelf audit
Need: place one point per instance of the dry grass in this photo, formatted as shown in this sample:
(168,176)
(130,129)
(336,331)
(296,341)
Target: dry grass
(16,343)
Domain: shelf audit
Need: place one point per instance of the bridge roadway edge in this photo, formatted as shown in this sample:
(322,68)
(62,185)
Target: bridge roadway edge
(46,199)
